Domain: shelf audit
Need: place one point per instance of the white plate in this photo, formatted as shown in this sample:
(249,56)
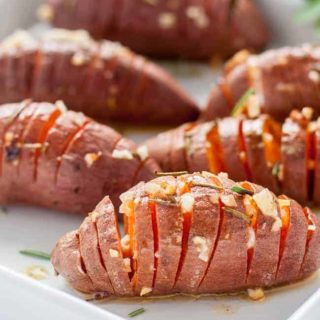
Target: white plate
(34,228)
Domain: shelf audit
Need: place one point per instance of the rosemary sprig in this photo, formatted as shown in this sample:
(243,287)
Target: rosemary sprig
(136,312)
(241,104)
(169,202)
(241,190)
(36,254)
(174,174)
(207,185)
(237,214)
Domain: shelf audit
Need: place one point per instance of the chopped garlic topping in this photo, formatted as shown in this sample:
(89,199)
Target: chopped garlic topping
(36,272)
(122,154)
(256,294)
(79,59)
(61,106)
(198,15)
(267,204)
(311,227)
(187,202)
(114,253)
(145,290)
(127,264)
(229,200)
(126,208)
(167,20)
(18,40)
(157,255)
(253,107)
(251,238)
(307,112)
(214,198)
(152,188)
(277,225)
(223,175)
(284,202)
(91,158)
(125,243)
(314,76)
(143,152)
(202,247)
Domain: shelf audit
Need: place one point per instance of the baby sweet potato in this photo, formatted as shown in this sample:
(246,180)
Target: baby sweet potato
(63,160)
(102,79)
(202,234)
(193,29)
(283,79)
(282,157)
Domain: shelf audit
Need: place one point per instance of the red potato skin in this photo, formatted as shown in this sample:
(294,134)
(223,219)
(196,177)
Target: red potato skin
(178,27)
(105,219)
(102,79)
(228,234)
(293,253)
(62,177)
(263,267)
(260,170)
(68,262)
(293,157)
(228,267)
(205,224)
(284,79)
(316,190)
(169,222)
(228,130)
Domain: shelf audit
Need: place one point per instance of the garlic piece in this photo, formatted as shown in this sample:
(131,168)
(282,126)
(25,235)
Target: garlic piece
(187,202)
(122,154)
(202,247)
(114,253)
(143,153)
(91,158)
(251,238)
(145,290)
(256,294)
(167,20)
(229,200)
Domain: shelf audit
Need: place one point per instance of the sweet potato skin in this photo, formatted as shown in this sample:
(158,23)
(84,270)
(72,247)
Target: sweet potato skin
(85,161)
(228,27)
(284,79)
(215,266)
(103,79)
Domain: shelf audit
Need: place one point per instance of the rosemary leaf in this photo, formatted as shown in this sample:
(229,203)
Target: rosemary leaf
(36,254)
(169,202)
(136,312)
(241,190)
(237,214)
(276,169)
(241,104)
(207,185)
(174,174)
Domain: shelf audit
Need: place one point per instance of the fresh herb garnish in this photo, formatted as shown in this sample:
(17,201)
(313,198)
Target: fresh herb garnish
(169,202)
(276,169)
(36,254)
(174,174)
(241,104)
(241,190)
(310,12)
(207,185)
(237,214)
(136,312)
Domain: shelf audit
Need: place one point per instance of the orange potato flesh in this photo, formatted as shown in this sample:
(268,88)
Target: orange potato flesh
(285,219)
(214,152)
(244,157)
(42,137)
(272,144)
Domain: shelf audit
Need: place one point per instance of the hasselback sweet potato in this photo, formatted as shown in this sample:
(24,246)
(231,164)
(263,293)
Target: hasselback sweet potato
(193,234)
(195,29)
(283,79)
(102,79)
(282,157)
(63,160)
